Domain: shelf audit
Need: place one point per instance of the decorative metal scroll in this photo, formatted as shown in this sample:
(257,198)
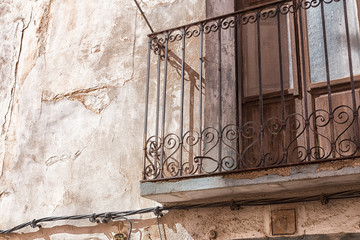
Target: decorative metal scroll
(230,21)
(295,137)
(285,143)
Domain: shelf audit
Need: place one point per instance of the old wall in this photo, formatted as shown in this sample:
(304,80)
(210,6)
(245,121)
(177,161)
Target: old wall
(72,102)
(71,116)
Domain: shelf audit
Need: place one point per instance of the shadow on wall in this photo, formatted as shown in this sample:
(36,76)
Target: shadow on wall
(192,76)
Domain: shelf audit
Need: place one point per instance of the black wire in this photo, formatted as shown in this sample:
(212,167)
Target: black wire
(107,216)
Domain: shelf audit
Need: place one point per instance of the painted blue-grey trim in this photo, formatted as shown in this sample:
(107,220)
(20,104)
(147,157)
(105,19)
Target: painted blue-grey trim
(300,177)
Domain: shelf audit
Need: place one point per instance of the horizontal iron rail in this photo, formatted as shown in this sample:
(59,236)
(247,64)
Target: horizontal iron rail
(304,4)
(218,17)
(289,137)
(289,165)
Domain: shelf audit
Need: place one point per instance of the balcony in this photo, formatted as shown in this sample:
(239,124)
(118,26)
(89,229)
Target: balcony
(271,85)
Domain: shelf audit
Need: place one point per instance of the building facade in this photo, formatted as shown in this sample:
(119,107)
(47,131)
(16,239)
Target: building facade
(250,128)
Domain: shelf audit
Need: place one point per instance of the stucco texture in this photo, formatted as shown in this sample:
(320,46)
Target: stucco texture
(72,83)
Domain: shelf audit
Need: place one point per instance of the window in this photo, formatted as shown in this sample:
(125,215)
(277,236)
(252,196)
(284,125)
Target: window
(270,54)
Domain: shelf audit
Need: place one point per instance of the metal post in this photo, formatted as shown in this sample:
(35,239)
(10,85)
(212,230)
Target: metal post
(164,107)
(200,90)
(331,114)
(146,106)
(220,97)
(261,102)
(182,102)
(351,71)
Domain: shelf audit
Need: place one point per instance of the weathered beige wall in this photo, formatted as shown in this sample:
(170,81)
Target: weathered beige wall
(339,216)
(72,102)
(71,113)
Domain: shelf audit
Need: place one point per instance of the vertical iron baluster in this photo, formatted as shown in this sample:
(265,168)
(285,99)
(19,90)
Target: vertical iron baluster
(281,82)
(146,106)
(200,92)
(239,89)
(355,112)
(157,106)
(182,102)
(304,78)
(164,106)
(261,103)
(220,97)
(237,70)
(331,116)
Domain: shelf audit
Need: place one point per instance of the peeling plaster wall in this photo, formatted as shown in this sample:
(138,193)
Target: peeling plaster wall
(71,115)
(72,96)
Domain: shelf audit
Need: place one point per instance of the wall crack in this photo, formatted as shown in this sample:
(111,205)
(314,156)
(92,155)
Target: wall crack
(10,108)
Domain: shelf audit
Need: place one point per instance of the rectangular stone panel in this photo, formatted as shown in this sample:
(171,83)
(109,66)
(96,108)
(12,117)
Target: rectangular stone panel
(283,222)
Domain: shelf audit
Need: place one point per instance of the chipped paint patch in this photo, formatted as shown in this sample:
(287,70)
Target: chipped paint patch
(95,99)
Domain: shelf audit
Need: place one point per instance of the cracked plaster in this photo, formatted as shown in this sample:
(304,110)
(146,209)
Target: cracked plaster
(72,84)
(95,99)
(71,111)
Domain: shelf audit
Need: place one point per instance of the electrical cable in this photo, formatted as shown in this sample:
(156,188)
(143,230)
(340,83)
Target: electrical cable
(234,205)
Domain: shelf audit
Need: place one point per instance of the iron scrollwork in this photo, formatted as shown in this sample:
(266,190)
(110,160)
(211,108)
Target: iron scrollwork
(286,143)
(323,134)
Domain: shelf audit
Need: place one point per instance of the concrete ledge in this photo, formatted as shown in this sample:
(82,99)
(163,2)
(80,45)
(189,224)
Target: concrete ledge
(287,182)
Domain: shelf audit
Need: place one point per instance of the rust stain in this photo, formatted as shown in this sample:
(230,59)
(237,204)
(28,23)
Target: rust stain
(72,16)
(74,93)
(281,171)
(42,31)
(284,171)
(95,99)
(337,165)
(4,193)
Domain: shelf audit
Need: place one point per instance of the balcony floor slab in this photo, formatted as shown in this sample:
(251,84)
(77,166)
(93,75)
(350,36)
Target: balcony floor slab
(322,178)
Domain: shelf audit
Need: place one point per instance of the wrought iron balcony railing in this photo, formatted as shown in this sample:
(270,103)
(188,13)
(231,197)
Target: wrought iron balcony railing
(265,86)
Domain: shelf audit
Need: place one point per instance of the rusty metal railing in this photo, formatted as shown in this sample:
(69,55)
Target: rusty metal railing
(263,87)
